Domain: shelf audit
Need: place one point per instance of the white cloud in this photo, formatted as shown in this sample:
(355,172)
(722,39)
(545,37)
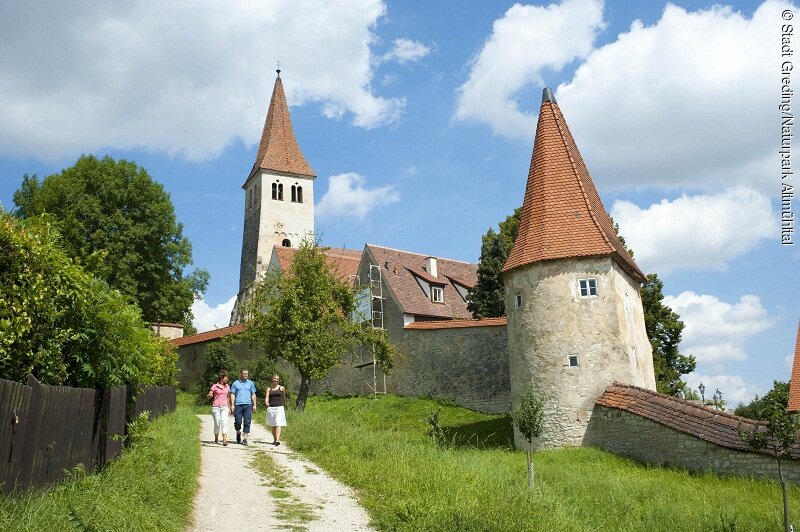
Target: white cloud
(687,102)
(347,196)
(701,231)
(209,318)
(171,77)
(407,51)
(524,42)
(733,387)
(716,330)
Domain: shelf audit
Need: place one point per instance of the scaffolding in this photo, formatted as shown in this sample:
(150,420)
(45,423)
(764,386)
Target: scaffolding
(376,322)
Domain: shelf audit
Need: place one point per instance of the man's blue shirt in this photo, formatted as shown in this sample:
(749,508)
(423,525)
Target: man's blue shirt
(243,391)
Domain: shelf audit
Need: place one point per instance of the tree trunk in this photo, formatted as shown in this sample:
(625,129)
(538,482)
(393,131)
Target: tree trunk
(786,525)
(530,465)
(302,394)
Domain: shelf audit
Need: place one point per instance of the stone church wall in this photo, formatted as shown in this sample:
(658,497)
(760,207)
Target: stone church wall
(634,436)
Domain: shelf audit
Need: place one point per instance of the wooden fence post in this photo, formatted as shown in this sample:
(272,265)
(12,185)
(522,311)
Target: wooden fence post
(28,463)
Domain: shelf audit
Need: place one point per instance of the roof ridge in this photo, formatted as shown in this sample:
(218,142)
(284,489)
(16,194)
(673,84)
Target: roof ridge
(420,254)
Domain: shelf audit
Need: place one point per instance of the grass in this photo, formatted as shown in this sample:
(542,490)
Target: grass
(382,448)
(288,509)
(150,487)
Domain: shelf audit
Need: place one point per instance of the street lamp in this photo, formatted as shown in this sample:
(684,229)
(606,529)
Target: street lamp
(702,389)
(719,394)
(715,400)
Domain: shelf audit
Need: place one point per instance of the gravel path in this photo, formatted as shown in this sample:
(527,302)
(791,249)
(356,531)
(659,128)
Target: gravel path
(234,495)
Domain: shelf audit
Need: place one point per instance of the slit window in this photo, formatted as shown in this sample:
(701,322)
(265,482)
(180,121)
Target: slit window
(573,361)
(588,287)
(437,294)
(518,301)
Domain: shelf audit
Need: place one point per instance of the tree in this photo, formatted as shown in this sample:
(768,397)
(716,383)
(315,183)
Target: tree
(777,435)
(761,407)
(65,326)
(529,420)
(302,317)
(120,225)
(219,357)
(664,328)
(663,325)
(487,298)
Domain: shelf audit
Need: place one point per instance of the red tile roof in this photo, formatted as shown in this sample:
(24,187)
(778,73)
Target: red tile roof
(457,324)
(278,149)
(794,383)
(342,262)
(399,278)
(703,422)
(562,215)
(208,335)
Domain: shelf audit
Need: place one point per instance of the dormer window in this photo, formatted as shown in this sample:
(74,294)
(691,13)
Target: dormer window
(437,294)
(588,287)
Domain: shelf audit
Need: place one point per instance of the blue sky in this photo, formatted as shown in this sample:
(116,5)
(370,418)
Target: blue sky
(422,116)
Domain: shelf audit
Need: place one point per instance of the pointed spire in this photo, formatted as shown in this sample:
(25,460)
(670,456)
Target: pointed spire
(562,215)
(278,149)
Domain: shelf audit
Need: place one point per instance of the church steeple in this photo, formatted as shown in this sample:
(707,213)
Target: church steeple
(278,150)
(562,215)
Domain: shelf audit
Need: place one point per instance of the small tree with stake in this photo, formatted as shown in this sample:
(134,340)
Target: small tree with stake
(529,420)
(777,436)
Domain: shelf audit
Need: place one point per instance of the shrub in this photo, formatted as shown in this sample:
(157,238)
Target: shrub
(219,357)
(63,325)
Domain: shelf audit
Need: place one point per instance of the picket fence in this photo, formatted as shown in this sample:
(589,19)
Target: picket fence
(48,430)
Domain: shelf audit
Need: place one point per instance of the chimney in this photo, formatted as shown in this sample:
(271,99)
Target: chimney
(430,262)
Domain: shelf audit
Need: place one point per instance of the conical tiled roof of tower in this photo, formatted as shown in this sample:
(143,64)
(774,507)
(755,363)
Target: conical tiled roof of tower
(278,149)
(562,215)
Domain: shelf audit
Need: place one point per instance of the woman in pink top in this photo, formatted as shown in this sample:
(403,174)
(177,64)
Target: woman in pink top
(219,407)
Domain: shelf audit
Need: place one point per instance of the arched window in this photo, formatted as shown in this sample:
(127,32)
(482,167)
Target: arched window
(299,194)
(280,191)
(274,191)
(286,243)
(294,194)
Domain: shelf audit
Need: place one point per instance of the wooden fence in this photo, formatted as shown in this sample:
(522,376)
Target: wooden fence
(45,430)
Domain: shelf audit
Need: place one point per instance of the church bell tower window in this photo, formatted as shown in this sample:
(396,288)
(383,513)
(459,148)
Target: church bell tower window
(274,191)
(286,243)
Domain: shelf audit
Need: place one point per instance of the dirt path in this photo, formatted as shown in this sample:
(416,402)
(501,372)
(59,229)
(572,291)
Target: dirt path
(287,492)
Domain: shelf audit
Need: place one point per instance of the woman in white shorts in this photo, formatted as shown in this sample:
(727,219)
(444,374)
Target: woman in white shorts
(275,399)
(219,406)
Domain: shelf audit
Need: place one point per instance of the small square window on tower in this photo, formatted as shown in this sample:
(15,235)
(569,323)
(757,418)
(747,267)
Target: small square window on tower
(573,361)
(518,301)
(588,287)
(437,294)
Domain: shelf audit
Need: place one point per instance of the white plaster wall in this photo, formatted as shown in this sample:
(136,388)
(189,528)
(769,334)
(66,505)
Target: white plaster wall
(555,322)
(284,219)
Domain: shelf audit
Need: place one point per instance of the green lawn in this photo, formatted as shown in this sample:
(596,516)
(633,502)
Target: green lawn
(382,448)
(150,487)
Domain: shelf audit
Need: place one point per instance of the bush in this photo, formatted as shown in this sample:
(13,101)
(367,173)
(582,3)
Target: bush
(65,326)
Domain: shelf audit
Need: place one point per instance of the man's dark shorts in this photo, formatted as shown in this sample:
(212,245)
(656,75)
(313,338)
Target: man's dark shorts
(243,412)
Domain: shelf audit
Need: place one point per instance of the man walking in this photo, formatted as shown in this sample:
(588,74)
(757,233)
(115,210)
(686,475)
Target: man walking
(243,404)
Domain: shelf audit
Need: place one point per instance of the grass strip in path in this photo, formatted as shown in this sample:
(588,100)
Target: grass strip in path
(149,487)
(289,509)
(381,447)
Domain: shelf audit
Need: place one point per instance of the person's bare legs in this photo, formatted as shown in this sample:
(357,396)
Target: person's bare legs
(275,434)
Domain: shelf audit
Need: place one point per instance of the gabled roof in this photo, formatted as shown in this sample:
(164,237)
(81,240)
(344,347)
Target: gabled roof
(794,384)
(208,335)
(720,428)
(278,149)
(562,215)
(342,262)
(398,272)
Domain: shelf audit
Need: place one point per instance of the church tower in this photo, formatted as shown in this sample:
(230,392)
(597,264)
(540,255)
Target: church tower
(575,317)
(278,195)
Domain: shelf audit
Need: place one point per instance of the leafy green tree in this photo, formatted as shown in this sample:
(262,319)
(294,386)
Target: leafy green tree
(302,317)
(664,328)
(487,298)
(120,225)
(65,326)
(777,435)
(761,408)
(528,417)
(218,357)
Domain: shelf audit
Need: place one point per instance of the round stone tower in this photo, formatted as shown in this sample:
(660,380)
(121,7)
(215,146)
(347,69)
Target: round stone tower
(575,318)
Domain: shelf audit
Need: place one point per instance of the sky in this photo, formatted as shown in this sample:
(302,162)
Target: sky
(418,118)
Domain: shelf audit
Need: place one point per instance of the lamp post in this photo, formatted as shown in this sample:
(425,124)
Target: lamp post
(719,395)
(715,401)
(702,389)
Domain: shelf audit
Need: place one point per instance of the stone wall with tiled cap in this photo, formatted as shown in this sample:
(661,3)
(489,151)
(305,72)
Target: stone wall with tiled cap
(663,430)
